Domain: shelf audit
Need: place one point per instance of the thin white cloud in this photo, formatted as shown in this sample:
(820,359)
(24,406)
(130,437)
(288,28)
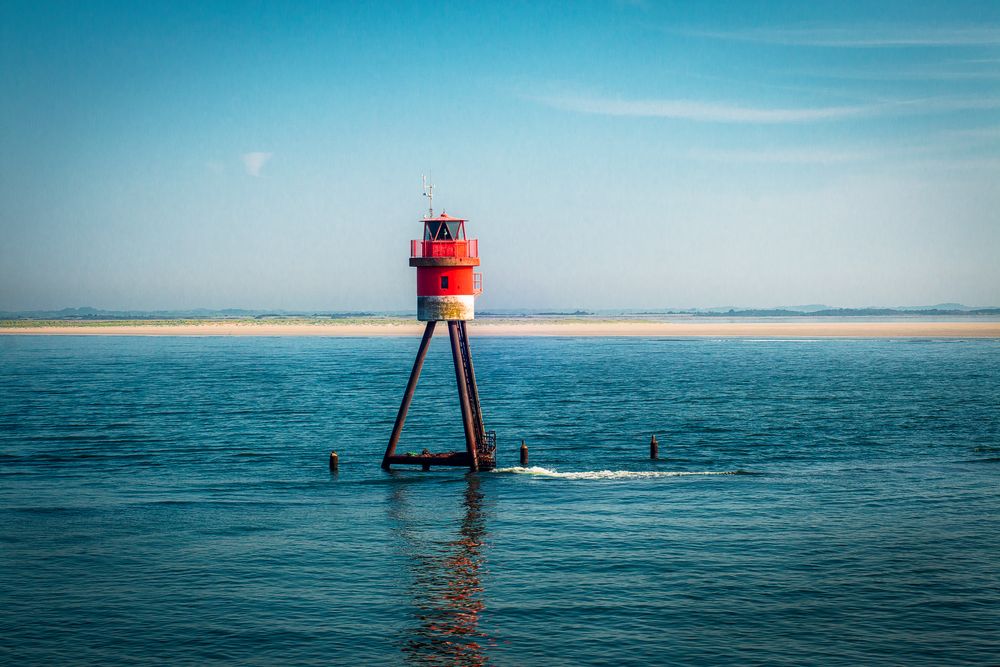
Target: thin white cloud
(254,162)
(980,164)
(712,112)
(949,73)
(860,37)
(941,150)
(930,105)
(788,156)
(699,111)
(977,133)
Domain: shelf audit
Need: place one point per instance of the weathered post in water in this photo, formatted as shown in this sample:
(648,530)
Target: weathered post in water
(654,448)
(524,455)
(334,463)
(447,287)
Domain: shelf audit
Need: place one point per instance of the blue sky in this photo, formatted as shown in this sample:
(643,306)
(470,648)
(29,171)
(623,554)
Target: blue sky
(609,154)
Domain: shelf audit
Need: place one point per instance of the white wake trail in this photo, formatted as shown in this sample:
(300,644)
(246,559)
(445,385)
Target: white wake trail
(609,474)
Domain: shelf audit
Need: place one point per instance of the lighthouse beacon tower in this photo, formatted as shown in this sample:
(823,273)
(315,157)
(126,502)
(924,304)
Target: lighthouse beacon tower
(447,286)
(445,258)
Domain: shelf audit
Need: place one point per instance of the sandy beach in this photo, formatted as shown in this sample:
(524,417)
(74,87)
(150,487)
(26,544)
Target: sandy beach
(680,329)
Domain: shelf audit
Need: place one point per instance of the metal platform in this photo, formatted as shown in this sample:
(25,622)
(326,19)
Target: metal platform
(439,459)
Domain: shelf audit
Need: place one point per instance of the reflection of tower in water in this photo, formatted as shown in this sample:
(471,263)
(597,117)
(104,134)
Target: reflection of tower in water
(446,588)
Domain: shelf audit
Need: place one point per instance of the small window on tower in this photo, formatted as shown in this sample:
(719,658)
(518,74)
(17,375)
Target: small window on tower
(444,282)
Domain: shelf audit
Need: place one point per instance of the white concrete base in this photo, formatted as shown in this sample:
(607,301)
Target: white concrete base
(446,308)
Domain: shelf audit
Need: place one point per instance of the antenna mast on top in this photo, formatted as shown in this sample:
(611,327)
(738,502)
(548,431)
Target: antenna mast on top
(429,193)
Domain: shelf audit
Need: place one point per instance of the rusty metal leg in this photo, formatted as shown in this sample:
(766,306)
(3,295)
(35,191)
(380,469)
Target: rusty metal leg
(486,456)
(463,395)
(411,385)
(473,388)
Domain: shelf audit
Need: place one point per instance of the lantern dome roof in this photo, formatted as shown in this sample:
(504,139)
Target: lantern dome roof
(444,217)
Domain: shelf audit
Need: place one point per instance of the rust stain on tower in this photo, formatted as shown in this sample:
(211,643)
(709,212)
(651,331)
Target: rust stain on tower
(447,286)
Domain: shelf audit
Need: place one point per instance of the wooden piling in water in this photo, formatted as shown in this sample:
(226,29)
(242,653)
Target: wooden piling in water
(654,448)
(524,455)
(334,462)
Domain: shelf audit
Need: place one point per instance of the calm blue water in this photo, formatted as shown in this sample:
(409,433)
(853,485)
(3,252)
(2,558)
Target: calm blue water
(168,499)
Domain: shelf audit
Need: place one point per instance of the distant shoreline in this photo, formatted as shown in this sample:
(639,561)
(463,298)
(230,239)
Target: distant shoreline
(572,327)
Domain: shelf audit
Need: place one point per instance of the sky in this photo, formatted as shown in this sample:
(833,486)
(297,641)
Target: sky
(607,154)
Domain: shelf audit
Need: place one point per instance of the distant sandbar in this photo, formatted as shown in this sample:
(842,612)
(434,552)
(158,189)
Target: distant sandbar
(568,327)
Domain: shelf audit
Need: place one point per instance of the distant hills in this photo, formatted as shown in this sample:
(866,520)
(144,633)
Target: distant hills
(196,314)
(811,310)
(823,309)
(851,312)
(820,310)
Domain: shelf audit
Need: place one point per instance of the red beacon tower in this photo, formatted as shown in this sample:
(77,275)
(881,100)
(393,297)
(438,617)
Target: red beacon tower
(447,286)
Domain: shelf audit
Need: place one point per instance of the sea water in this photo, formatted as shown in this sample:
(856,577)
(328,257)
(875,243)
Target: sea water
(167,499)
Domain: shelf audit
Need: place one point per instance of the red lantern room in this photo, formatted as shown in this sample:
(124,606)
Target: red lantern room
(446,283)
